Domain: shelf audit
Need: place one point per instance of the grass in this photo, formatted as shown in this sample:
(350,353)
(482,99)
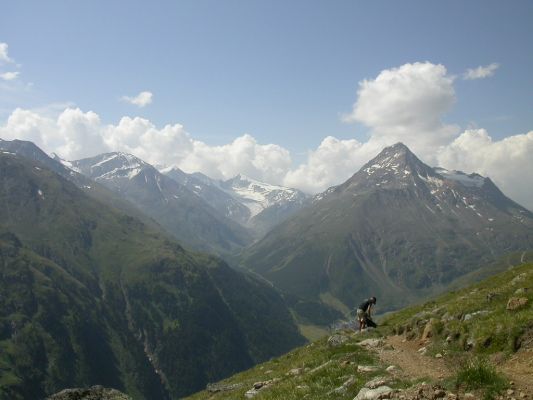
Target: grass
(313,382)
(479,374)
(494,330)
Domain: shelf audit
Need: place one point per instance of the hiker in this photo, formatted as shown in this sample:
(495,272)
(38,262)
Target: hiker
(364,313)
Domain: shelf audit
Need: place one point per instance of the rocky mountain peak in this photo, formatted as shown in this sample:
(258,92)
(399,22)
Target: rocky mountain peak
(111,165)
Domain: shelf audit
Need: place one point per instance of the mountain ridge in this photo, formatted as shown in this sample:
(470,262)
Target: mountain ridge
(397,228)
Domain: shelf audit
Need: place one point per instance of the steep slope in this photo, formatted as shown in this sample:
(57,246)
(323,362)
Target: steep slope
(474,331)
(90,295)
(176,208)
(398,229)
(63,168)
(256,205)
(268,204)
(210,191)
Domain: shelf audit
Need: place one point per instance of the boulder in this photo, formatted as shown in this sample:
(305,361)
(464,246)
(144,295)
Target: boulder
(376,382)
(371,343)
(381,392)
(367,368)
(337,340)
(516,303)
(429,329)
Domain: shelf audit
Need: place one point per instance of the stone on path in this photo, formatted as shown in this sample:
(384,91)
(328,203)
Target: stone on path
(380,392)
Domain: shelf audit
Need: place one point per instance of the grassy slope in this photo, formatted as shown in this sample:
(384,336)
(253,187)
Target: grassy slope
(498,331)
(142,294)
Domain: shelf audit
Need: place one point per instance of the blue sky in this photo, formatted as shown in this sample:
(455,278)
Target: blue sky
(283,71)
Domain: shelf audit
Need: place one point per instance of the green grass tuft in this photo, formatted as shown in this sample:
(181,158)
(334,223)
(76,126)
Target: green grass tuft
(477,374)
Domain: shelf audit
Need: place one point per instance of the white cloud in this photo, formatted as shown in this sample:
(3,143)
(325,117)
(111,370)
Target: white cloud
(4,58)
(9,76)
(405,104)
(141,100)
(481,72)
(507,162)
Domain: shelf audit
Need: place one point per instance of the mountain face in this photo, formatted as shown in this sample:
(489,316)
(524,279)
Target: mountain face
(179,210)
(397,229)
(211,192)
(253,204)
(90,295)
(63,168)
(268,204)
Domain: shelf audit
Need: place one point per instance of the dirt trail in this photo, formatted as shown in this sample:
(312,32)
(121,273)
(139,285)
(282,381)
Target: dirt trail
(519,368)
(404,354)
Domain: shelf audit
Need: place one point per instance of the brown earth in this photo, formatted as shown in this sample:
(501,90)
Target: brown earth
(413,365)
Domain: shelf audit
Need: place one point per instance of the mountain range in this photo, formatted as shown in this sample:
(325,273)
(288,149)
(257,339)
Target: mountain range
(397,229)
(90,294)
(98,285)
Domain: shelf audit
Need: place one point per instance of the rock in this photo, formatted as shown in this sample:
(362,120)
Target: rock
(521,290)
(371,343)
(376,382)
(374,394)
(391,368)
(429,329)
(510,392)
(491,296)
(92,393)
(469,396)
(422,350)
(367,368)
(439,393)
(518,278)
(320,367)
(344,387)
(258,386)
(515,303)
(337,340)
(469,344)
(438,355)
(468,317)
(295,371)
(215,388)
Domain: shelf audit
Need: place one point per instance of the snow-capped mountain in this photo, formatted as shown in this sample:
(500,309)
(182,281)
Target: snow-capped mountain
(177,208)
(210,191)
(252,203)
(398,229)
(268,204)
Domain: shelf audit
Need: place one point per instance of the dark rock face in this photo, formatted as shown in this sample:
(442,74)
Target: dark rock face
(92,393)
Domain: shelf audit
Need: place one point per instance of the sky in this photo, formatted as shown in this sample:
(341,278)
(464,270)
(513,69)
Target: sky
(300,93)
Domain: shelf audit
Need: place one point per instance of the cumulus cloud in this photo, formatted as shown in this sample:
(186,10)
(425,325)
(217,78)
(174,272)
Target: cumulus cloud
(481,72)
(4,58)
(9,76)
(406,104)
(507,161)
(141,100)
(76,134)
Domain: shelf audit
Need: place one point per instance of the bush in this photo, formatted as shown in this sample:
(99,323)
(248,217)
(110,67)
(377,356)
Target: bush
(477,373)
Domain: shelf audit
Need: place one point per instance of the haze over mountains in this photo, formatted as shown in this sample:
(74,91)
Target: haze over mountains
(90,294)
(397,229)
(97,237)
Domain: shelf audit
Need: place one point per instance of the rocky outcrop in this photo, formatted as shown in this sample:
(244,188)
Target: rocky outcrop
(92,393)
(516,303)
